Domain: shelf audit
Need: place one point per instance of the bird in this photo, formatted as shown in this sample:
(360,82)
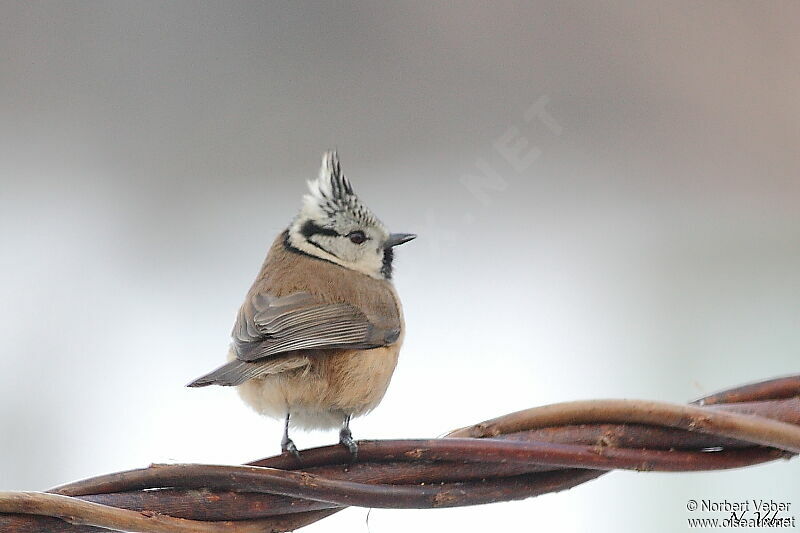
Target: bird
(317,339)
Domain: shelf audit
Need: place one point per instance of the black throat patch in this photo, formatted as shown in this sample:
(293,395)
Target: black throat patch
(386,268)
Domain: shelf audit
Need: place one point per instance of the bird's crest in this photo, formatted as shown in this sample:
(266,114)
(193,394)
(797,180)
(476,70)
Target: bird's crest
(331,196)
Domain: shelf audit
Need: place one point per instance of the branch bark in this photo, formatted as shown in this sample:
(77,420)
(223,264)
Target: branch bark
(524,454)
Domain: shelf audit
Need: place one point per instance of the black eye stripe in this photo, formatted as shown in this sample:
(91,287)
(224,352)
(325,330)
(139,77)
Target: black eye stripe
(312,228)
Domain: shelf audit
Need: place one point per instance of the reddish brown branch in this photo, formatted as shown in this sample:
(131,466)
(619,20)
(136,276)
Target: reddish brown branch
(79,512)
(319,488)
(773,389)
(531,452)
(754,429)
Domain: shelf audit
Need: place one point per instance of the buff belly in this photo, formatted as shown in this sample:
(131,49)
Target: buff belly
(329,386)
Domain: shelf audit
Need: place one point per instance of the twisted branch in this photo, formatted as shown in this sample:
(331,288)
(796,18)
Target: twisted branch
(519,455)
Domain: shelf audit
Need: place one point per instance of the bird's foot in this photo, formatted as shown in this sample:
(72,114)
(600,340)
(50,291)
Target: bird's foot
(346,439)
(287,445)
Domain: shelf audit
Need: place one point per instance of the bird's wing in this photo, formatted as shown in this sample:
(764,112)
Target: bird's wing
(269,325)
(237,372)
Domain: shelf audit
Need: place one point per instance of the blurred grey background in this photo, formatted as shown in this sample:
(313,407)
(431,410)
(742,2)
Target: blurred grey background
(607,196)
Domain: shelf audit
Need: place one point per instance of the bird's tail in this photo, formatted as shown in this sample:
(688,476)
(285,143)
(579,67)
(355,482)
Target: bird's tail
(237,372)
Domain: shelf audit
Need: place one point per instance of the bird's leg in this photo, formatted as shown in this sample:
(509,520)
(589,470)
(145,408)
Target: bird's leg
(346,438)
(286,443)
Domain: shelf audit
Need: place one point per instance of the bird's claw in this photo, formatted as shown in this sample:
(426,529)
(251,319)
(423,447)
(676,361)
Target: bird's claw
(288,446)
(346,439)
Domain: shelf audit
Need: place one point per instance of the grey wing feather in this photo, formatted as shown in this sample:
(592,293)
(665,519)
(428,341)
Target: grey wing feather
(237,372)
(267,326)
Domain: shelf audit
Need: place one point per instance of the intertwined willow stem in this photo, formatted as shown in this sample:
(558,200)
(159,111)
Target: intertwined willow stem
(519,455)
(754,429)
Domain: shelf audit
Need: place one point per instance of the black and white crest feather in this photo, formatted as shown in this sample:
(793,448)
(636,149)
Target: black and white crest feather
(331,196)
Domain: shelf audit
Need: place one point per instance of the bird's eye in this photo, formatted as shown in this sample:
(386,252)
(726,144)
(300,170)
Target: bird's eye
(357,237)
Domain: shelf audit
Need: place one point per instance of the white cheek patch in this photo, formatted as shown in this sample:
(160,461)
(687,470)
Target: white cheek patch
(326,246)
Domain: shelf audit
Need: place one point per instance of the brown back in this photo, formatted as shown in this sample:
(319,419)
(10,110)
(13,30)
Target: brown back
(291,272)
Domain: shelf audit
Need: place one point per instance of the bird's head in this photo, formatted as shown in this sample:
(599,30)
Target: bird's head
(334,225)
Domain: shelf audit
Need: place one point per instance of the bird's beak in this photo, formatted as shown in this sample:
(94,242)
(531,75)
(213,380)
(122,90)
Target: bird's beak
(396,239)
